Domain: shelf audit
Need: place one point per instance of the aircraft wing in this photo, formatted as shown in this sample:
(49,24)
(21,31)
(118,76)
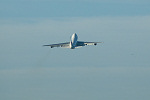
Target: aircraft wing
(64,45)
(82,43)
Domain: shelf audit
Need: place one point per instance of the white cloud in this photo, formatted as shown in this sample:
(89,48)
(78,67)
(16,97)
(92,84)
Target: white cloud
(79,24)
(77,71)
(102,83)
(122,36)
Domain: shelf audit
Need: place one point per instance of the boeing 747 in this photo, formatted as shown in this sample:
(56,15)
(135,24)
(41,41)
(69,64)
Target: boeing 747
(74,43)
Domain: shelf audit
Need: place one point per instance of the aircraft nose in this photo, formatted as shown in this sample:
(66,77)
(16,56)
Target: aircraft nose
(74,35)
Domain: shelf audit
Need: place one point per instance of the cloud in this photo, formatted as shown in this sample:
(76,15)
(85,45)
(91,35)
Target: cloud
(107,71)
(22,40)
(80,70)
(60,26)
(91,82)
(78,23)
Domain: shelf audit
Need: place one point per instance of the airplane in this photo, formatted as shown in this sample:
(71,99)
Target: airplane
(74,43)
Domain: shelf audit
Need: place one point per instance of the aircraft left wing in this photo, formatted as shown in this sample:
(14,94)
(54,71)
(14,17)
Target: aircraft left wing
(82,43)
(64,45)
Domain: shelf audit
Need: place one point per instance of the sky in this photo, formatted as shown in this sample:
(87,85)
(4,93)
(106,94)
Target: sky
(117,69)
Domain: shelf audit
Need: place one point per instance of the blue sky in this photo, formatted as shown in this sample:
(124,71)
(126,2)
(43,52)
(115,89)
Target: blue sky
(116,69)
(72,8)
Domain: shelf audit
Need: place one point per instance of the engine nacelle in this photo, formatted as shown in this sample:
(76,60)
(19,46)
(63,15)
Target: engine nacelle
(95,43)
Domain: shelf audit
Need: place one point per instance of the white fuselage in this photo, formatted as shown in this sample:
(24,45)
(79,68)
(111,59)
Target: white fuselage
(73,41)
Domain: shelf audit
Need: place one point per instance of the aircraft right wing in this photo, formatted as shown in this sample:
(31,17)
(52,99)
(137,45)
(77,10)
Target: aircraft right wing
(64,45)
